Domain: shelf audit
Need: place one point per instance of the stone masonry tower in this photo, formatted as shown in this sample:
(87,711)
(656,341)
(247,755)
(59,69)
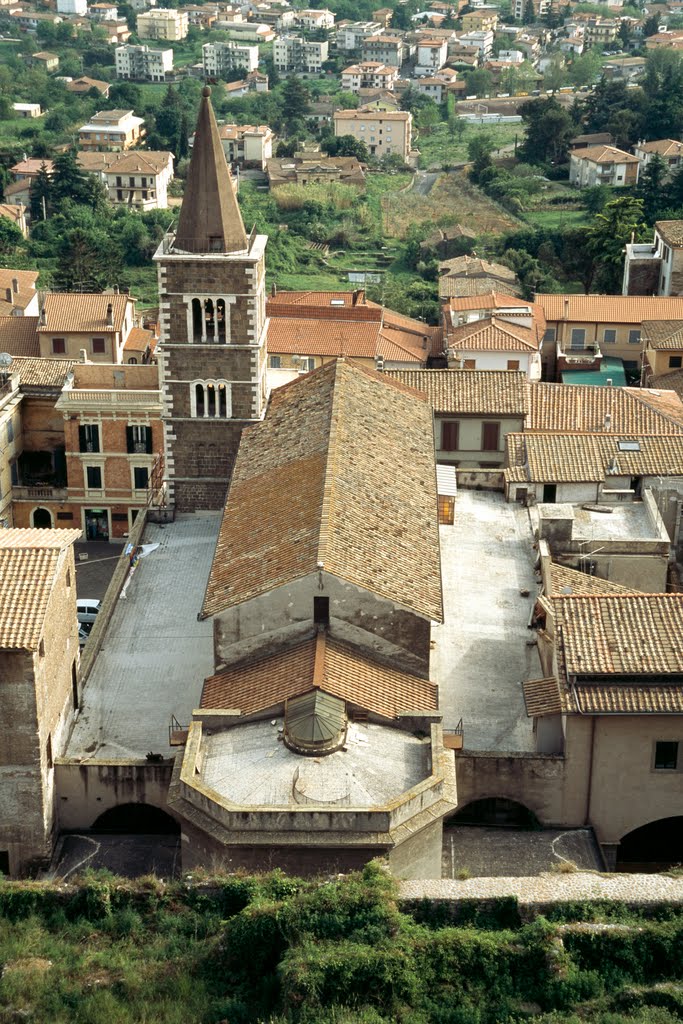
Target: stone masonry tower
(212,354)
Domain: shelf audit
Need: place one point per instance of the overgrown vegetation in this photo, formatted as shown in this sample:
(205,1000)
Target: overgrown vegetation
(283,950)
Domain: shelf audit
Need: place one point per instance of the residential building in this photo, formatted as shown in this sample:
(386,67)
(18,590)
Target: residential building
(431,56)
(143,64)
(39,660)
(246,145)
(383,132)
(368,75)
(73,7)
(117,32)
(28,21)
(662,348)
(212,351)
(314,19)
(18,295)
(656,268)
(669,40)
(495,343)
(72,323)
(246,32)
(383,15)
(48,61)
(590,141)
(201,16)
(481,40)
(104,12)
(309,329)
(254,82)
(162,23)
(139,180)
(219,58)
(469,275)
(294,53)
(113,441)
(624,68)
(351,35)
(608,324)
(15,212)
(84,84)
(481,19)
(297,454)
(603,165)
(114,130)
(27,110)
(670,150)
(309,166)
(541,8)
(385,49)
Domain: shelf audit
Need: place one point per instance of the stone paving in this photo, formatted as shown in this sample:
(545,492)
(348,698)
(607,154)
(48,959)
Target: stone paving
(551,887)
(155,654)
(486,851)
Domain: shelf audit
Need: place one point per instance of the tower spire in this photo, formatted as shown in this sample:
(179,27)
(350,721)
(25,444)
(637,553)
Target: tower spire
(210,220)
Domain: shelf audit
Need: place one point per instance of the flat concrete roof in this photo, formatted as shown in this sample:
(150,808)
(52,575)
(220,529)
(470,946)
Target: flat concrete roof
(625,522)
(249,765)
(480,655)
(155,654)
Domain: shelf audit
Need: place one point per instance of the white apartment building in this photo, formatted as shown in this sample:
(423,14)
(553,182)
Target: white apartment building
(77,7)
(382,131)
(370,74)
(351,36)
(313,19)
(104,12)
(385,49)
(483,40)
(431,56)
(247,145)
(293,53)
(219,58)
(143,64)
(163,23)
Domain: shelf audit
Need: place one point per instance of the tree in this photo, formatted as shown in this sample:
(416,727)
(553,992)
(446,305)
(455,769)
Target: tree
(650,187)
(621,221)
(295,98)
(479,150)
(345,145)
(585,68)
(40,195)
(11,238)
(529,16)
(651,26)
(549,128)
(87,260)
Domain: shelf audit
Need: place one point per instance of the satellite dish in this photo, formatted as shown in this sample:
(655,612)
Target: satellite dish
(5,360)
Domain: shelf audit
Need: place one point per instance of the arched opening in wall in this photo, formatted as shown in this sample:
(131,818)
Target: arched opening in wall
(199,399)
(653,847)
(220,315)
(141,819)
(41,519)
(211,399)
(495,810)
(196,320)
(210,316)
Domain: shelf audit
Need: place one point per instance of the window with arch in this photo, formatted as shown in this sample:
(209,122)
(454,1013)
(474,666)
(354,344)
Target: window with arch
(209,319)
(210,399)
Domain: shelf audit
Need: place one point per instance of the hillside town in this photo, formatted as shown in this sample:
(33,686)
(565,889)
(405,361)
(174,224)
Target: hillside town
(341,437)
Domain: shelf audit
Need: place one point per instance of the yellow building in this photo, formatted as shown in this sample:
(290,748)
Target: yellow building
(161,23)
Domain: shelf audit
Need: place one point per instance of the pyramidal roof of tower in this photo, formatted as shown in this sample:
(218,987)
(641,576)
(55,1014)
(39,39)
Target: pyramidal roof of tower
(210,220)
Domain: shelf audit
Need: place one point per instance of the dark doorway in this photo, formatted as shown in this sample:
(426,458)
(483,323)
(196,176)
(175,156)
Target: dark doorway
(495,811)
(321,611)
(653,847)
(550,493)
(142,819)
(42,519)
(96,524)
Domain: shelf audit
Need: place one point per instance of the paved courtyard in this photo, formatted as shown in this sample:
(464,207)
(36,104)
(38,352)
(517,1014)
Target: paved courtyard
(481,654)
(155,654)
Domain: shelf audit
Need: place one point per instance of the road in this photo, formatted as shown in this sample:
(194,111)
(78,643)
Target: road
(424,182)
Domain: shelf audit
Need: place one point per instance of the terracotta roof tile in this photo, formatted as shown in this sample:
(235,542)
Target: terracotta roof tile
(473,392)
(542,697)
(624,635)
(565,581)
(634,700)
(605,155)
(26,280)
(580,407)
(341,670)
(583,458)
(71,312)
(611,309)
(671,231)
(673,382)
(493,335)
(487,300)
(28,563)
(340,472)
(138,340)
(664,147)
(329,338)
(663,334)
(50,373)
(18,335)
(466,287)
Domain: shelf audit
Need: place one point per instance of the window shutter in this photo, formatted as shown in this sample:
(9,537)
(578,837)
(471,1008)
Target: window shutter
(130,440)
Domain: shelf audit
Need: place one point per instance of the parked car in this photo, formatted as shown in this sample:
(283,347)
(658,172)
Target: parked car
(86,610)
(83,634)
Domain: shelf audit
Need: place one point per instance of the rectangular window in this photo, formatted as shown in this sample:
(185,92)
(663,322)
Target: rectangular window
(139,440)
(675,362)
(449,436)
(93,475)
(490,437)
(513,364)
(275,362)
(14,472)
(469,364)
(140,477)
(89,437)
(610,336)
(634,337)
(98,345)
(666,755)
(10,431)
(578,337)
(321,611)
(549,334)
(58,346)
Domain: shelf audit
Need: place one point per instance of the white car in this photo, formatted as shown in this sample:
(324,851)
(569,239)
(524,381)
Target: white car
(86,611)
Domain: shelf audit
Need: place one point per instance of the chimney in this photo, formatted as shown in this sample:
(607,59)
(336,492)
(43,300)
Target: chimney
(83,356)
(273,290)
(42,319)
(609,382)
(608,421)
(15,285)
(566,308)
(110,315)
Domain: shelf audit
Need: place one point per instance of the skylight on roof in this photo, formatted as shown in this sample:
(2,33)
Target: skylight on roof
(629,446)
(336,302)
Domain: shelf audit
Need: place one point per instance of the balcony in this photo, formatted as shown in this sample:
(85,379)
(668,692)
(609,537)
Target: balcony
(85,398)
(39,492)
(587,356)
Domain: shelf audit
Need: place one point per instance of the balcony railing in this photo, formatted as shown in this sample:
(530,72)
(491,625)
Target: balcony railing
(86,397)
(39,492)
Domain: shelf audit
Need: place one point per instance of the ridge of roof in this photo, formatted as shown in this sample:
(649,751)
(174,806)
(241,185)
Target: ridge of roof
(210,220)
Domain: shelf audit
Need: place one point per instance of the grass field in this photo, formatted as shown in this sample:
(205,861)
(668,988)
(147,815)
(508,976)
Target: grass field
(558,218)
(440,148)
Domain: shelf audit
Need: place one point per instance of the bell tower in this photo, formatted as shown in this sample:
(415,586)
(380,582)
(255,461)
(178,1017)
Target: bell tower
(212,352)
